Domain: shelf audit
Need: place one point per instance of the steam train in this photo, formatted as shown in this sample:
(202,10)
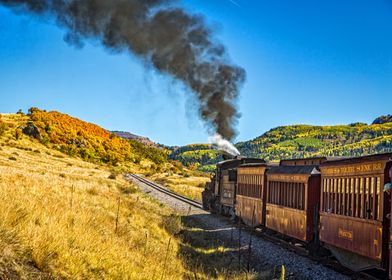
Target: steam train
(338,204)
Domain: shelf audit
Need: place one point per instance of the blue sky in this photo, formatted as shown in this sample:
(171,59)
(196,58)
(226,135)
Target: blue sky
(313,62)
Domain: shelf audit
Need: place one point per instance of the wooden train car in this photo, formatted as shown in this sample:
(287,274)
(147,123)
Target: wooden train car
(293,196)
(354,209)
(340,202)
(250,206)
(219,195)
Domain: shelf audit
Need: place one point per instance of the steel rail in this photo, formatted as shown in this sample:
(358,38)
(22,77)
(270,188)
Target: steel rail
(260,233)
(166,191)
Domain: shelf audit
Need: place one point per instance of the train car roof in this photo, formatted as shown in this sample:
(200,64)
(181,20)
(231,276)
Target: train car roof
(322,159)
(350,160)
(309,158)
(231,163)
(304,169)
(255,164)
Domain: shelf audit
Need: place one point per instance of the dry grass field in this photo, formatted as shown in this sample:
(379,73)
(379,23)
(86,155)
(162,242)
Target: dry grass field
(64,218)
(189,186)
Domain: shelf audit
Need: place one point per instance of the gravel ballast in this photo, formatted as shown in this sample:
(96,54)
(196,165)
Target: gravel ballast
(266,255)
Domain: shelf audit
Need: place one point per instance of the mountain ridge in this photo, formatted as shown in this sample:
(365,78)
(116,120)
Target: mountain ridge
(300,140)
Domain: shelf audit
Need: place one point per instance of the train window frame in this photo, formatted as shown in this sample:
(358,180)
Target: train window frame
(232,175)
(250,185)
(352,196)
(287,194)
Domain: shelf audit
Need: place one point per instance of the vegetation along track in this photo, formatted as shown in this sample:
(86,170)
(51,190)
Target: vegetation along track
(263,255)
(166,191)
(291,252)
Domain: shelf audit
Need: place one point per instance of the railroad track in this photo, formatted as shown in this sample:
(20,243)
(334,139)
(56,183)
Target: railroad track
(327,262)
(161,189)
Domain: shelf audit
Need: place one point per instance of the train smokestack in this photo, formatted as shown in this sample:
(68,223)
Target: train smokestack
(165,37)
(223,145)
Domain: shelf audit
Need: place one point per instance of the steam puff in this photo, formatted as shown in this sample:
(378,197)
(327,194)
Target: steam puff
(223,145)
(165,37)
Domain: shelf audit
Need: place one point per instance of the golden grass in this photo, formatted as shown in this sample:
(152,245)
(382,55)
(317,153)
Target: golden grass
(63,218)
(58,216)
(191,186)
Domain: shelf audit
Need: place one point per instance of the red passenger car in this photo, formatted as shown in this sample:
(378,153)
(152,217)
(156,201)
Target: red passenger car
(251,193)
(293,196)
(220,194)
(354,221)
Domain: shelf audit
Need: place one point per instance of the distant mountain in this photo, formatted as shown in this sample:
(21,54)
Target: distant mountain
(383,119)
(128,135)
(141,139)
(297,141)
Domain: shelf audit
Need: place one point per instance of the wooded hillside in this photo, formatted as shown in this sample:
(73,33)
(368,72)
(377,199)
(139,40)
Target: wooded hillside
(298,141)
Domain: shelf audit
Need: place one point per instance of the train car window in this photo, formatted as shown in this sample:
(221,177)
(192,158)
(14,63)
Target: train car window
(350,197)
(357,197)
(232,175)
(329,196)
(378,186)
(362,197)
(352,184)
(344,203)
(273,191)
(340,197)
(291,195)
(325,202)
(240,188)
(249,185)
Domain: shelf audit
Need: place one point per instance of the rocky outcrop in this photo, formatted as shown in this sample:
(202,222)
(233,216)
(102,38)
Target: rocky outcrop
(32,130)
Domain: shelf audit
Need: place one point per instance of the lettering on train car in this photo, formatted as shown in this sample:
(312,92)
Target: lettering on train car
(345,170)
(284,221)
(291,178)
(346,234)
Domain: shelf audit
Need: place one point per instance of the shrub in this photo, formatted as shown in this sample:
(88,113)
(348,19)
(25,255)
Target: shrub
(92,191)
(89,141)
(3,127)
(113,175)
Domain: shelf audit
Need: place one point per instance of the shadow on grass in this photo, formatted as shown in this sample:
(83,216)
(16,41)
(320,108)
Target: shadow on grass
(210,256)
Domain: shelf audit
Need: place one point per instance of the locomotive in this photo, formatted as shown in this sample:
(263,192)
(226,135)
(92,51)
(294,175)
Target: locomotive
(219,194)
(339,204)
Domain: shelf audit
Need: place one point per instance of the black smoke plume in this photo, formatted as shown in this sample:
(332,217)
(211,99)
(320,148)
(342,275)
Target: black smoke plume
(170,39)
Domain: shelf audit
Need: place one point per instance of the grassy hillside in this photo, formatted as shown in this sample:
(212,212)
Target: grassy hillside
(197,156)
(89,141)
(58,218)
(299,141)
(62,217)
(305,141)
